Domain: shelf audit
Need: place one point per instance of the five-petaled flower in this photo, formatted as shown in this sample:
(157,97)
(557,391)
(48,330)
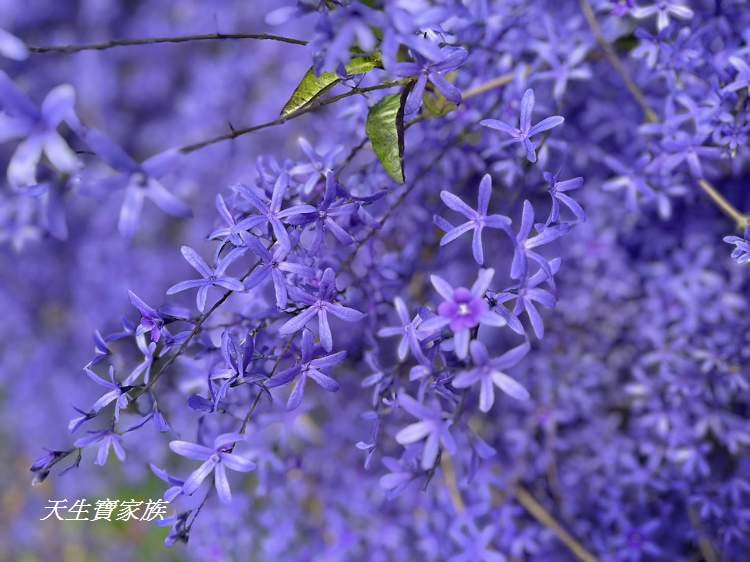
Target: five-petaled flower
(433,426)
(320,306)
(524,245)
(742,80)
(107,439)
(741,251)
(216,460)
(409,332)
(21,119)
(211,277)
(433,72)
(463,309)
(140,181)
(489,373)
(663,9)
(273,266)
(478,219)
(523,133)
(557,191)
(235,231)
(270,210)
(309,367)
(116,392)
(317,167)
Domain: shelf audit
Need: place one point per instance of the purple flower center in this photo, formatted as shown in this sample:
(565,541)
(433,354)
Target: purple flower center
(464,310)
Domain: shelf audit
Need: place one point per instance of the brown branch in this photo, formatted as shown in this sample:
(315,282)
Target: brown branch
(609,51)
(742,221)
(537,511)
(68,49)
(281,120)
(449,474)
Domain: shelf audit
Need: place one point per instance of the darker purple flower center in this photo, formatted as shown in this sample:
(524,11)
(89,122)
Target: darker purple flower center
(464,310)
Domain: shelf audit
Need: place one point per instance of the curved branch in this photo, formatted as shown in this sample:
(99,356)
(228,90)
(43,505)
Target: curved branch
(103,46)
(281,120)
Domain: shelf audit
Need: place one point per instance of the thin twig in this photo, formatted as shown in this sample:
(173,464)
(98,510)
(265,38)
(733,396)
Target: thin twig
(281,120)
(488,86)
(537,511)
(256,401)
(742,221)
(138,391)
(67,49)
(609,51)
(704,543)
(449,473)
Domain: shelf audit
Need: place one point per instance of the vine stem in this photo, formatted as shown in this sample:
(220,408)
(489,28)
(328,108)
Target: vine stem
(610,53)
(449,474)
(538,512)
(498,82)
(138,391)
(116,43)
(298,113)
(742,220)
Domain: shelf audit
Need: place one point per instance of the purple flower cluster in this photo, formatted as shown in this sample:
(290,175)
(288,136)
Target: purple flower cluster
(337,372)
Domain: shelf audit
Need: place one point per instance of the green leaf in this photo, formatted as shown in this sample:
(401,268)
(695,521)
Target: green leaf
(385,129)
(313,86)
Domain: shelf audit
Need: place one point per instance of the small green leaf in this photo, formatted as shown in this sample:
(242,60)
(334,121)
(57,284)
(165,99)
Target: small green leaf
(385,129)
(313,86)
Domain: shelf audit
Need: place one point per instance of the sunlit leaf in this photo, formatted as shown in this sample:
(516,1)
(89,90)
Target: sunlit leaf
(313,86)
(385,129)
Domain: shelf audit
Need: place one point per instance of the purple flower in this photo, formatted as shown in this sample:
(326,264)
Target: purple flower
(663,9)
(234,231)
(144,367)
(38,129)
(176,483)
(107,440)
(432,72)
(273,266)
(525,131)
(309,367)
(463,309)
(117,393)
(742,80)
(478,219)
(320,306)
(528,292)
(12,47)
(631,179)
(409,332)
(432,426)
(741,251)
(151,320)
(524,245)
(317,167)
(557,190)
(564,68)
(211,277)
(325,215)
(140,181)
(339,30)
(270,210)
(216,460)
(489,373)
(685,149)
